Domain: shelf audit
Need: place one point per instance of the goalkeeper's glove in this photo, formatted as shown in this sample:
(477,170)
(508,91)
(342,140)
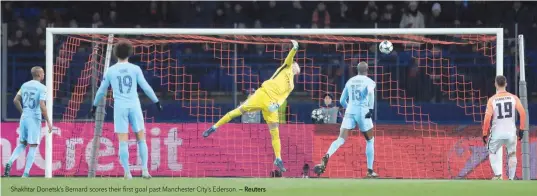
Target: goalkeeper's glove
(159,107)
(93,110)
(369,114)
(295,44)
(520,134)
(485,137)
(273,107)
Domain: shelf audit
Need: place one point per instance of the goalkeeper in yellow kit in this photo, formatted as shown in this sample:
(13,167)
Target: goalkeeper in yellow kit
(268,98)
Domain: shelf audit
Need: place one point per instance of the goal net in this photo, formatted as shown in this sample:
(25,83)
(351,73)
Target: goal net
(200,74)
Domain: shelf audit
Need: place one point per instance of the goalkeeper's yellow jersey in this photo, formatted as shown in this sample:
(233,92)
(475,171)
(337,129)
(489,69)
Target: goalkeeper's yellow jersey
(282,83)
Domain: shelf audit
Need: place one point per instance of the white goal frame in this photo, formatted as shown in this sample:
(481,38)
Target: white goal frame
(50,32)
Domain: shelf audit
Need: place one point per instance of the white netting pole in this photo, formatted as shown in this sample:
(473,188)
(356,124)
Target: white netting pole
(50,96)
(100,114)
(523,90)
(499,52)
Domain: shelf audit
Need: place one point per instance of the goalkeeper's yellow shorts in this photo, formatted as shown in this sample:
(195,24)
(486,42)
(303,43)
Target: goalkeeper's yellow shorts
(260,100)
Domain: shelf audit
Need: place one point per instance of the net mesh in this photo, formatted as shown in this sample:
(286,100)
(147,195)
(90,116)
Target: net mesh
(179,68)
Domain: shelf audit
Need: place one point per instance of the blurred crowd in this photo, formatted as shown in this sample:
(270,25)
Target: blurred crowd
(27,20)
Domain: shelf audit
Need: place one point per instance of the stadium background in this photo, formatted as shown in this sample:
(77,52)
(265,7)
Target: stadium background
(25,22)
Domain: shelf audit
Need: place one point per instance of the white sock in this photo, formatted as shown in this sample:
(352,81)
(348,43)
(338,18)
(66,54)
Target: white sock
(512,167)
(335,145)
(495,163)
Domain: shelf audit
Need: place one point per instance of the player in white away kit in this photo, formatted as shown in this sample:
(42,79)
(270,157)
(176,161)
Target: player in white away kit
(33,95)
(503,130)
(125,77)
(360,92)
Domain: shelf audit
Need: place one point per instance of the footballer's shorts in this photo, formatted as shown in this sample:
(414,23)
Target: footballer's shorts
(260,100)
(494,144)
(30,130)
(351,120)
(122,117)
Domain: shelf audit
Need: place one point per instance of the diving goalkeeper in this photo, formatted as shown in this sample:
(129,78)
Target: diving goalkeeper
(268,98)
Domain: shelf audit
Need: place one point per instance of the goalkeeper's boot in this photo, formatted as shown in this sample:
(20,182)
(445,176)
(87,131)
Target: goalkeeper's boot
(208,132)
(371,174)
(497,177)
(279,163)
(146,175)
(7,170)
(25,175)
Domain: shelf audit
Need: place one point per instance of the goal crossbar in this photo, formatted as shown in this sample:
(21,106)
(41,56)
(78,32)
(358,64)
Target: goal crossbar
(228,31)
(50,32)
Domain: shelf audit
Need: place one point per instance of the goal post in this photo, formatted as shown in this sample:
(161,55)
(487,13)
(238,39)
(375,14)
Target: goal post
(50,32)
(100,113)
(523,90)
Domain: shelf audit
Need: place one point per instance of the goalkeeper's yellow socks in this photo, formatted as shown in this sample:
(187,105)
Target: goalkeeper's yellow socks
(275,135)
(228,117)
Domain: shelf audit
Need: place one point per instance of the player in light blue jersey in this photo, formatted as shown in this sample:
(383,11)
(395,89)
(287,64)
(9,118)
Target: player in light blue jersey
(125,78)
(30,101)
(358,98)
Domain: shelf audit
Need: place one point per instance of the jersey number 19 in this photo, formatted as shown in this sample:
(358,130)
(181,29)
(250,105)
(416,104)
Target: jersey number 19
(508,109)
(124,81)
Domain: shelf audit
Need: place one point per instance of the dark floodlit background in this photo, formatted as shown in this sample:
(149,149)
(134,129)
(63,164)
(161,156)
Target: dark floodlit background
(431,95)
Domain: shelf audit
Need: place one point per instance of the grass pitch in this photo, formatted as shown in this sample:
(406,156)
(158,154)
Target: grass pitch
(262,186)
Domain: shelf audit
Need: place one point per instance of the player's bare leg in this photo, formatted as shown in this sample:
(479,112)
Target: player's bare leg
(20,149)
(142,152)
(124,154)
(370,153)
(276,145)
(225,119)
(343,134)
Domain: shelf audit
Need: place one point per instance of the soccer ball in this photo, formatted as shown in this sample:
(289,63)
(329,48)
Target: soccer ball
(386,47)
(319,117)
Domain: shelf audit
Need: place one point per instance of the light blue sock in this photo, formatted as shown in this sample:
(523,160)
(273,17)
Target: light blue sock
(370,152)
(142,152)
(124,156)
(335,145)
(30,160)
(18,150)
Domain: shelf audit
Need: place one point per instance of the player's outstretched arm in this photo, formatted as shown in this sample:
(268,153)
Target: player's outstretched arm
(344,97)
(17,101)
(291,55)
(147,88)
